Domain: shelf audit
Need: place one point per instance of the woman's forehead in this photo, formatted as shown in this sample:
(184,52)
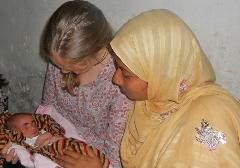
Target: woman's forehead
(122,66)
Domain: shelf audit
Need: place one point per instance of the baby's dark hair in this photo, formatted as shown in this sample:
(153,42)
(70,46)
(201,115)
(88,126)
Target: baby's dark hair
(13,118)
(77,29)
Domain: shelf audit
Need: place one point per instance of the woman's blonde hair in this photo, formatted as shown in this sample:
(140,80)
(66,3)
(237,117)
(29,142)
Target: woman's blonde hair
(77,29)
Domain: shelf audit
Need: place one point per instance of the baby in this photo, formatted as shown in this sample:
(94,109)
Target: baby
(42,135)
(25,123)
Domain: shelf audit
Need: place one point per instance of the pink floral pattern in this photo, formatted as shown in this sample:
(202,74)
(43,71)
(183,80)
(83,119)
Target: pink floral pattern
(99,110)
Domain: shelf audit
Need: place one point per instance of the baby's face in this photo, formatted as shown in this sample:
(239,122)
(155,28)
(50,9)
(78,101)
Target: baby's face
(27,126)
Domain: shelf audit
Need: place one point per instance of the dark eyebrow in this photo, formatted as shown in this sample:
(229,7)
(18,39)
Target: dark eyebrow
(122,68)
(119,66)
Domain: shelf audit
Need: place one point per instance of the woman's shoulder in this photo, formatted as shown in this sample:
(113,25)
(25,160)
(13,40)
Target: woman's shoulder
(52,67)
(222,111)
(215,102)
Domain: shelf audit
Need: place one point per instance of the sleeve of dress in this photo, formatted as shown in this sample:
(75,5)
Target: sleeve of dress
(49,89)
(117,119)
(215,123)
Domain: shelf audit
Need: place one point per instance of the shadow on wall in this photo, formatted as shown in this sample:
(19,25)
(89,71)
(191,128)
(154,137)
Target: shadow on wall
(3,95)
(24,94)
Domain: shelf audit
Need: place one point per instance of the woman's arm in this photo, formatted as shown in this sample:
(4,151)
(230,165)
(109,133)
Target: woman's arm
(215,123)
(49,89)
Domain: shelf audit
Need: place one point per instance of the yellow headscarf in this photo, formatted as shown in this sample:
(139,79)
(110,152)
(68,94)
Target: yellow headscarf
(160,49)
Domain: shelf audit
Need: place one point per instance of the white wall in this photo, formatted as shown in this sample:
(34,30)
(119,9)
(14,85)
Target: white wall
(215,22)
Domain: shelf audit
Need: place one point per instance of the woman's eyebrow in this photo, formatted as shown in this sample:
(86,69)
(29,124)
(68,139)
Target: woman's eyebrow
(122,68)
(119,66)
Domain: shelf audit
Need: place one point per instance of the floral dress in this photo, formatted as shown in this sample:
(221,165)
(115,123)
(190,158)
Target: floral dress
(99,110)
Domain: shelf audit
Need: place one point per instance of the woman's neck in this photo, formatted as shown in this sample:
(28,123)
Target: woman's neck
(93,73)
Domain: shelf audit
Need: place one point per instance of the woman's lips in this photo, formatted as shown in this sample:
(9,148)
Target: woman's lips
(122,91)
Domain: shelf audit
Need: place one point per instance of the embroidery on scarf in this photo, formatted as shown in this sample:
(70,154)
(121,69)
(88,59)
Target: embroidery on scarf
(164,116)
(182,89)
(183,86)
(209,136)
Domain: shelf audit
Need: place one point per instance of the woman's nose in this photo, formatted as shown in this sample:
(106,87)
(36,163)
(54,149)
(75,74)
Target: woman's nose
(117,79)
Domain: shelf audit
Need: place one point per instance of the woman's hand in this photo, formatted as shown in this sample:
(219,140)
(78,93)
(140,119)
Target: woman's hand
(72,159)
(10,157)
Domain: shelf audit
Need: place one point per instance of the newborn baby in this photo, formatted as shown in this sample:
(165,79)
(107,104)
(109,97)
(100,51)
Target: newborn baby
(25,123)
(40,134)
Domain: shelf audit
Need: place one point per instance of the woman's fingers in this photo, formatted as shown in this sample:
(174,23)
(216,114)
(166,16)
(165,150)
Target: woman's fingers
(69,158)
(74,159)
(66,161)
(10,156)
(6,147)
(71,153)
(91,152)
(15,159)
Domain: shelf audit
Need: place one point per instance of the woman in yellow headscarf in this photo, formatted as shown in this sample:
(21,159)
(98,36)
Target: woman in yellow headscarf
(181,119)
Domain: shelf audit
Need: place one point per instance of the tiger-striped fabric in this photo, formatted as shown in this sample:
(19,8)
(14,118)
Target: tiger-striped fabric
(52,151)
(57,148)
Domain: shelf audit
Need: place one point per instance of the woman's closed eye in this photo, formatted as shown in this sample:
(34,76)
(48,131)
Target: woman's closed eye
(127,76)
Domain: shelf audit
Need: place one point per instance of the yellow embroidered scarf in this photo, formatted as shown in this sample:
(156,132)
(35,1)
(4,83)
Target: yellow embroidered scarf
(160,48)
